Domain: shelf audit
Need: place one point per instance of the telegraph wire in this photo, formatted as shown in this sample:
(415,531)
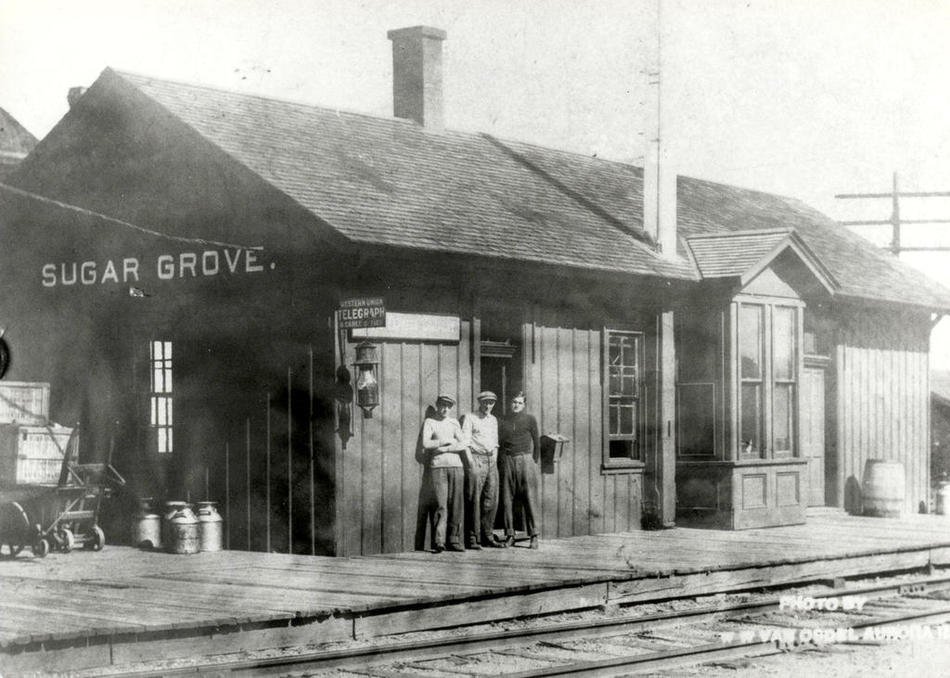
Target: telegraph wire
(126,224)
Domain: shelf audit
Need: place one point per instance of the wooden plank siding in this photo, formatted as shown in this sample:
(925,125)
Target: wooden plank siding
(563,375)
(882,384)
(378,490)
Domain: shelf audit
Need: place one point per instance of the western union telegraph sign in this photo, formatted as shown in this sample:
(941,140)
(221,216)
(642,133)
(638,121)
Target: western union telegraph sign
(362,312)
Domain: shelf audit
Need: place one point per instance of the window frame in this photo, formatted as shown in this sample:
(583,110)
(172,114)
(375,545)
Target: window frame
(635,460)
(791,382)
(160,401)
(747,450)
(770,384)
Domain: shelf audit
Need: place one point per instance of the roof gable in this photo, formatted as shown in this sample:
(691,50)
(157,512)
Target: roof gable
(746,254)
(120,154)
(14,137)
(15,143)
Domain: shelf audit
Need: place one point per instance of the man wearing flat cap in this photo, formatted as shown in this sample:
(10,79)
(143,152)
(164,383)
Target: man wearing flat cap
(444,444)
(480,430)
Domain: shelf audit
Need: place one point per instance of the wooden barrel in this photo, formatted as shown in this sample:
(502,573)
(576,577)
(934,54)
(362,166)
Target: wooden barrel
(882,488)
(943,499)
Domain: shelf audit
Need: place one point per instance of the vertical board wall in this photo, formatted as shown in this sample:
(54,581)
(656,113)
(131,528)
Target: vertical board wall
(563,383)
(883,400)
(378,477)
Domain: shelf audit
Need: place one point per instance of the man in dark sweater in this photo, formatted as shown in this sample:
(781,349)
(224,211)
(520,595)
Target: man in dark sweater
(519,445)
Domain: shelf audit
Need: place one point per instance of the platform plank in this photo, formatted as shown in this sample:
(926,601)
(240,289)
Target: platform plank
(144,605)
(154,647)
(724,580)
(442,616)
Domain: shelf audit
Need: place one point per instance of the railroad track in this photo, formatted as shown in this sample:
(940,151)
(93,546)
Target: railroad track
(624,645)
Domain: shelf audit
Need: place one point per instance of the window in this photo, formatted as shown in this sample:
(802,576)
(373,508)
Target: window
(751,345)
(160,394)
(784,361)
(768,368)
(622,365)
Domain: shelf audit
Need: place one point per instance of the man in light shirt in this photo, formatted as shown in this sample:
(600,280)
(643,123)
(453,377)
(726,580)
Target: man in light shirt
(445,445)
(480,430)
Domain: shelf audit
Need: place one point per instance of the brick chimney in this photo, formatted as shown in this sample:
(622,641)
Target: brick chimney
(74,94)
(417,74)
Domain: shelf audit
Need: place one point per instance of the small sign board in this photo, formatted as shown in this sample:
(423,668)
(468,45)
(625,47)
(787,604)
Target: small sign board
(414,327)
(362,312)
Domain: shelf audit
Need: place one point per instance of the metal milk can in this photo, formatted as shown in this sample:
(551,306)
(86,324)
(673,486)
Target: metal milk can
(147,526)
(210,527)
(183,532)
(171,508)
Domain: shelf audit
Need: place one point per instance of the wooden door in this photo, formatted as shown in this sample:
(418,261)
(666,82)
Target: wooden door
(813,432)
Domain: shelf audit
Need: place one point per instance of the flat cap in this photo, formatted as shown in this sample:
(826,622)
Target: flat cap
(487,395)
(446,397)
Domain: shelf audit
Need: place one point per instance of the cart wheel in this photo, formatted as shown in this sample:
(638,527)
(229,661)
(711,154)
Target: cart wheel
(15,528)
(96,540)
(41,547)
(67,540)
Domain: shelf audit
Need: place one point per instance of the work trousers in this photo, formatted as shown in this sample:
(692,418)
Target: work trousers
(448,492)
(519,486)
(481,498)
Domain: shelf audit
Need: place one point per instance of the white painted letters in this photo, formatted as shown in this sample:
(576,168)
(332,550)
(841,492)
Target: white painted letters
(87,272)
(206,262)
(49,275)
(166,267)
(250,262)
(63,277)
(130,268)
(109,274)
(182,265)
(187,260)
(232,265)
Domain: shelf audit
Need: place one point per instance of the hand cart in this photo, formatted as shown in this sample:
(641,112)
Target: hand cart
(60,517)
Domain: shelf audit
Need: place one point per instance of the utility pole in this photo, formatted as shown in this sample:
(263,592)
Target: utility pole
(895,221)
(659,219)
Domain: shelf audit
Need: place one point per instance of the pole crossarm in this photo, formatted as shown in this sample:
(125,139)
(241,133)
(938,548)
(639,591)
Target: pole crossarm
(896,222)
(888,222)
(914,194)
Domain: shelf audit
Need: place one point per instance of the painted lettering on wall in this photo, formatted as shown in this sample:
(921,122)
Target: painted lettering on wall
(183,265)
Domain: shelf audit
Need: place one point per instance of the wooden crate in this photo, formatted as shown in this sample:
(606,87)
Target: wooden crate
(24,402)
(33,455)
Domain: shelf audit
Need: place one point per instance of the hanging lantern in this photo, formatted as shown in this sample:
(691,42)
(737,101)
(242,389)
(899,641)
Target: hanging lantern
(367,377)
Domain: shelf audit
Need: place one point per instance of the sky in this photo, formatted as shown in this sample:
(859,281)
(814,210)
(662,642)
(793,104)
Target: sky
(806,98)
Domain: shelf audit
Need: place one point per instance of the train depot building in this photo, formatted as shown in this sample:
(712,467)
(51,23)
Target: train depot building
(253,301)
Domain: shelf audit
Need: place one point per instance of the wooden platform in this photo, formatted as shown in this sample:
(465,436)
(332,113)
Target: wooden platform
(85,609)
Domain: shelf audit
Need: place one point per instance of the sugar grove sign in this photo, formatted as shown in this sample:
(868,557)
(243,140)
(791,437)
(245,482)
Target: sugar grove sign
(362,312)
(208,263)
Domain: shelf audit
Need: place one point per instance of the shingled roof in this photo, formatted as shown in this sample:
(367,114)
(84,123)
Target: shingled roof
(743,255)
(15,142)
(389,181)
(732,254)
